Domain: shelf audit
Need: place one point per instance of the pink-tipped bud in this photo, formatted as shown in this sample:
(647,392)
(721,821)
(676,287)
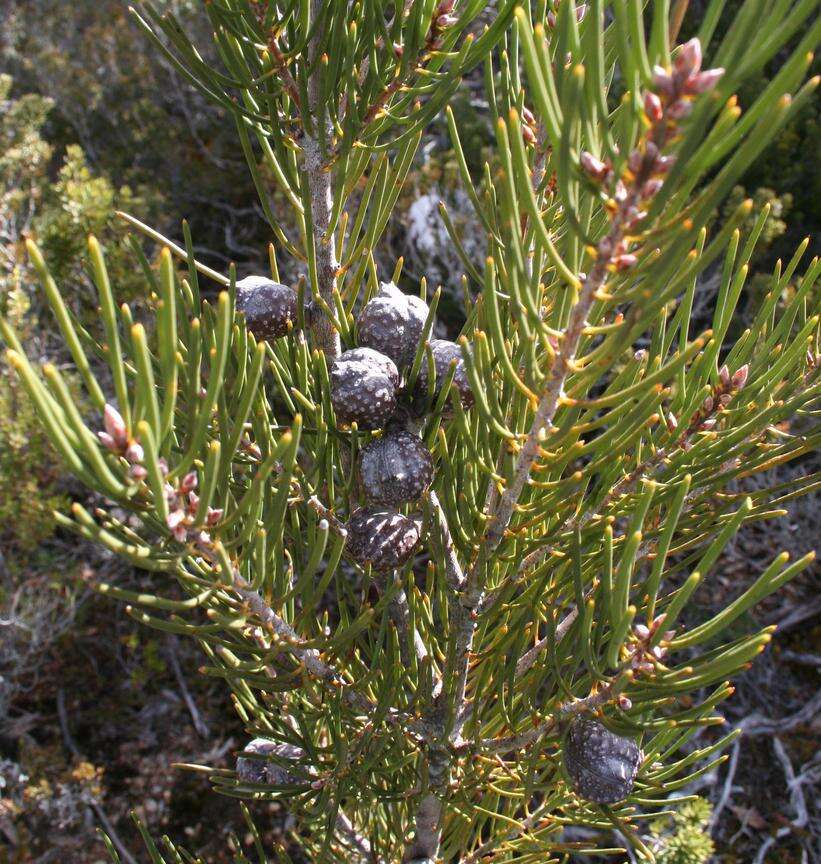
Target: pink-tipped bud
(175,518)
(658,652)
(624,702)
(115,426)
(739,378)
(707,404)
(658,621)
(551,19)
(652,107)
(624,262)
(108,442)
(635,160)
(180,533)
(137,472)
(642,631)
(134,452)
(398,50)
(445,6)
(527,116)
(593,166)
(189,482)
(688,59)
(214,516)
(651,188)
(528,134)
(663,81)
(725,399)
(163,466)
(620,193)
(724,375)
(581,12)
(193,502)
(680,109)
(203,540)
(672,423)
(703,81)
(708,424)
(445,21)
(633,216)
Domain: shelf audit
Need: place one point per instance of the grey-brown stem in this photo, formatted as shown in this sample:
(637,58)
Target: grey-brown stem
(320,185)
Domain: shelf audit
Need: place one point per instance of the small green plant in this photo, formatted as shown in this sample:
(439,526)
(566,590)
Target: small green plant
(443,581)
(684,838)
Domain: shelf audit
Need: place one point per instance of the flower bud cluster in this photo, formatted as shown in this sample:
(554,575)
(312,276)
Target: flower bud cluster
(441,21)
(669,101)
(643,655)
(715,401)
(677,87)
(183,503)
(116,439)
(182,500)
(529,126)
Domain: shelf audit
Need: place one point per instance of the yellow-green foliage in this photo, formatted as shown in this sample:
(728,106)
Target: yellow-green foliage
(685,839)
(29,472)
(61,213)
(58,212)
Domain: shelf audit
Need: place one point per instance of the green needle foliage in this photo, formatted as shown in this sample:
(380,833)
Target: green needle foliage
(577,503)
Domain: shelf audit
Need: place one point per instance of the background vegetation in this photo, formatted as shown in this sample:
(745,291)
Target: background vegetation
(92,711)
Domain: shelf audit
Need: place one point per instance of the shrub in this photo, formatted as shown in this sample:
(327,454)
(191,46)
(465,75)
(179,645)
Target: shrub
(498,652)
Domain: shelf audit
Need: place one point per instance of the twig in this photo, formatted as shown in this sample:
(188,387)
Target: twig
(453,569)
(360,843)
(568,709)
(803,659)
(755,724)
(798,615)
(796,799)
(728,783)
(401,615)
(95,806)
(314,665)
(527,659)
(199,724)
(321,192)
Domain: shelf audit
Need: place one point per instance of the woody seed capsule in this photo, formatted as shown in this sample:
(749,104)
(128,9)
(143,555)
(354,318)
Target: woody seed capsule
(392,323)
(381,537)
(602,766)
(269,307)
(251,770)
(395,468)
(363,388)
(444,353)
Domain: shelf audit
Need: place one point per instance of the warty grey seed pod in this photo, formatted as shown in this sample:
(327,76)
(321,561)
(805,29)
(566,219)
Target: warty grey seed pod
(395,469)
(363,389)
(260,771)
(375,359)
(444,353)
(392,322)
(602,766)
(269,307)
(381,537)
